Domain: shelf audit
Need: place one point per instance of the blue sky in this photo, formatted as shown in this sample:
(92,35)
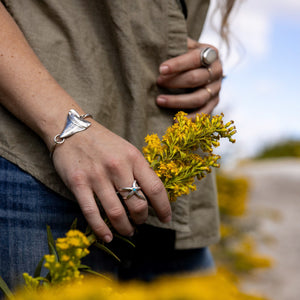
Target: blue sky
(262,89)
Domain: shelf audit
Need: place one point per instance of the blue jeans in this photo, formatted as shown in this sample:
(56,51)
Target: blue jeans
(27,206)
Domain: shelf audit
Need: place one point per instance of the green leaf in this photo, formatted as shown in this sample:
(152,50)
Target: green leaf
(53,251)
(5,289)
(104,248)
(51,244)
(83,267)
(97,274)
(92,238)
(38,268)
(88,230)
(124,239)
(74,224)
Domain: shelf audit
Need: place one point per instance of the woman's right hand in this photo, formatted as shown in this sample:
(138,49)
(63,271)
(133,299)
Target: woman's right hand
(98,163)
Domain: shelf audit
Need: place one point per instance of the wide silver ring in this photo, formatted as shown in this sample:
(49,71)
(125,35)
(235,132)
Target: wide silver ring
(133,190)
(208,56)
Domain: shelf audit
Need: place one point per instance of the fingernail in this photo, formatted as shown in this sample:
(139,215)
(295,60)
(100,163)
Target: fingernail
(161,100)
(107,238)
(163,69)
(131,234)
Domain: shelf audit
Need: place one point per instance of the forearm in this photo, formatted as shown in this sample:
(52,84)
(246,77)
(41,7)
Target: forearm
(26,88)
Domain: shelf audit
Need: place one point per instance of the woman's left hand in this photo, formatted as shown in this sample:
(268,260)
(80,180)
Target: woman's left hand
(187,71)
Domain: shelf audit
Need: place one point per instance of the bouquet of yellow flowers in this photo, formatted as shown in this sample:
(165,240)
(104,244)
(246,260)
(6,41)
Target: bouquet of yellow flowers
(174,158)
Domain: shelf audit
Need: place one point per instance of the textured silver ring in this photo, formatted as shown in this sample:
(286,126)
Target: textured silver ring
(208,56)
(133,190)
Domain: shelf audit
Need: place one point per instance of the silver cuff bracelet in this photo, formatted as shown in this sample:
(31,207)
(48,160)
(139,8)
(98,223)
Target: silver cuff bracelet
(75,123)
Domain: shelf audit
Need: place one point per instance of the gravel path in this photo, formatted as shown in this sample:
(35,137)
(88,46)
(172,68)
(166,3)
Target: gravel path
(275,201)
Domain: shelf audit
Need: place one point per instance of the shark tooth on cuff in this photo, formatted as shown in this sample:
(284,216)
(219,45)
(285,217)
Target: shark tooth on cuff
(75,123)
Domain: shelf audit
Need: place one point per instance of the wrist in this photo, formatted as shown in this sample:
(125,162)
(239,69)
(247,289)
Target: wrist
(74,124)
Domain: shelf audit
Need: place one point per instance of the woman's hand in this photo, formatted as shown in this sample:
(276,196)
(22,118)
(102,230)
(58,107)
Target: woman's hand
(187,71)
(92,163)
(98,163)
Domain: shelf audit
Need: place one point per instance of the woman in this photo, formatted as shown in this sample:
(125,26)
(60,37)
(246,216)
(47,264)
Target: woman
(131,65)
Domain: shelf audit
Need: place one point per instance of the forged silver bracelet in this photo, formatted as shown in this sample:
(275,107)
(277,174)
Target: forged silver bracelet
(75,123)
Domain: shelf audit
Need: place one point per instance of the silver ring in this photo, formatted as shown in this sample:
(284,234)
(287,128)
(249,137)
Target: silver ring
(133,190)
(209,91)
(208,56)
(210,75)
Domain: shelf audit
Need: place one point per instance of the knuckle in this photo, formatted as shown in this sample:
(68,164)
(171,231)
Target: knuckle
(114,165)
(133,153)
(88,210)
(140,207)
(100,229)
(76,179)
(115,213)
(157,188)
(193,79)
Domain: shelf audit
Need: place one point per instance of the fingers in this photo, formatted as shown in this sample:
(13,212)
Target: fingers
(113,208)
(185,72)
(133,197)
(192,78)
(195,100)
(185,62)
(104,168)
(154,190)
(86,201)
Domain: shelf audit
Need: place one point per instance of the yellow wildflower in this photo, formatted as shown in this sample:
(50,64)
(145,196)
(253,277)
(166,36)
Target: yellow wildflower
(70,250)
(65,257)
(173,158)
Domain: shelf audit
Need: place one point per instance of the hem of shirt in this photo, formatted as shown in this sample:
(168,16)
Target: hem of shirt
(196,242)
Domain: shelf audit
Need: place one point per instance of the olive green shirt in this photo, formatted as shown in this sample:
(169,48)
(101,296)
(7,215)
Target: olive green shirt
(106,55)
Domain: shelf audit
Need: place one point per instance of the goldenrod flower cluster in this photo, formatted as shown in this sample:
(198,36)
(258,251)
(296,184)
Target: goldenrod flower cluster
(63,265)
(206,287)
(174,158)
(70,251)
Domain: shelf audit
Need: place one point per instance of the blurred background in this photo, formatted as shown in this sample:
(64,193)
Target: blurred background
(261,91)
(259,180)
